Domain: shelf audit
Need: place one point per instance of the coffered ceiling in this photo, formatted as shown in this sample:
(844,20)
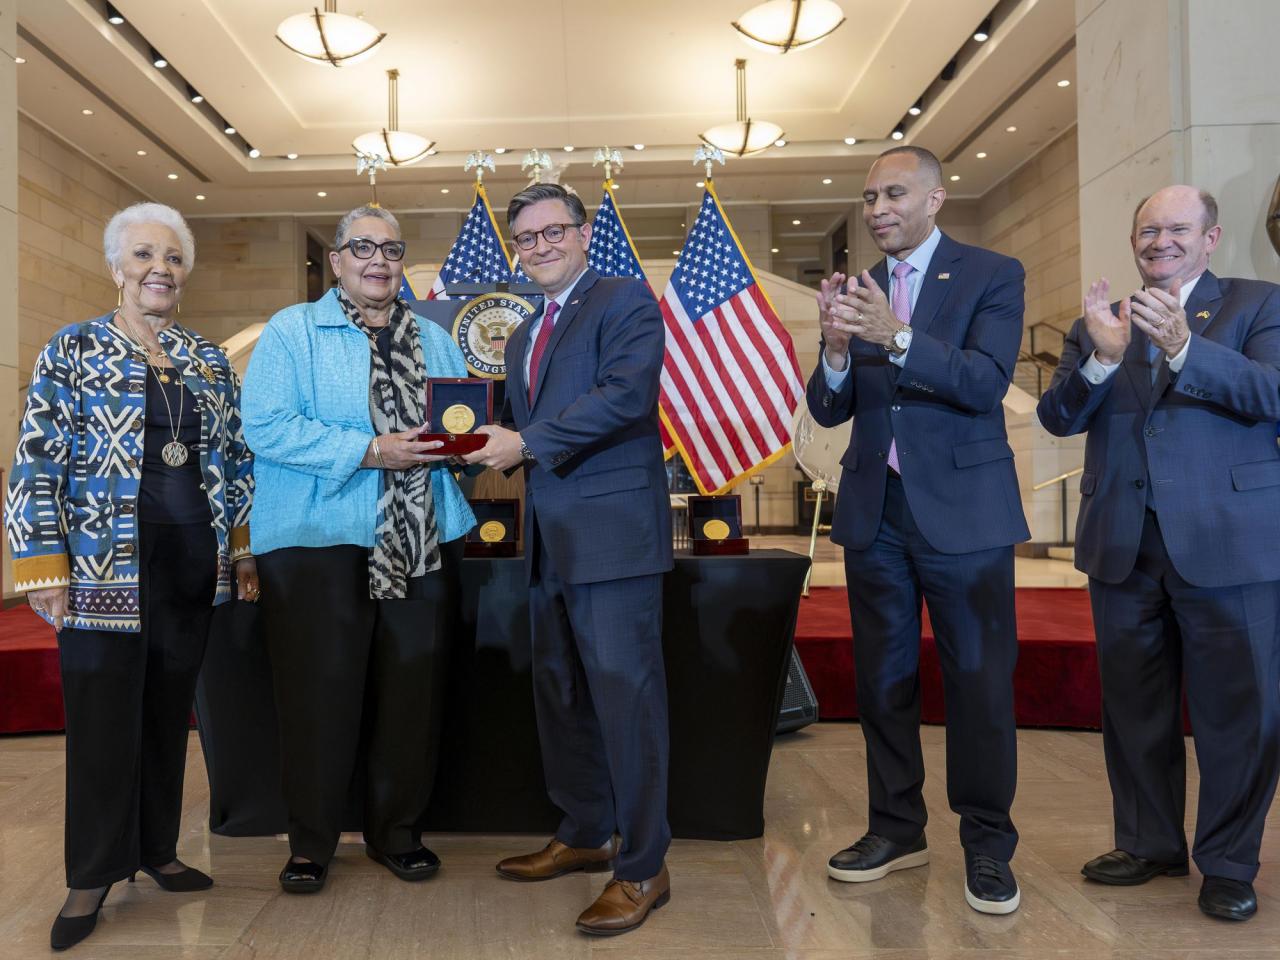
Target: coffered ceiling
(500,73)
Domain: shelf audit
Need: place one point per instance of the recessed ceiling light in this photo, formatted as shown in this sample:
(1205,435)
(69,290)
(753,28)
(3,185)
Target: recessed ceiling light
(773,250)
(617,186)
(1010,129)
(826,181)
(639,146)
(199,196)
(569,148)
(159,61)
(254,153)
(113,16)
(795,223)
(321,193)
(1064,83)
(898,133)
(981,154)
(955,177)
(291,156)
(850,141)
(779,143)
(916,108)
(700,184)
(19,60)
(142,153)
(444,189)
(228,129)
(499,149)
(194,95)
(173,176)
(983,33)
(87,112)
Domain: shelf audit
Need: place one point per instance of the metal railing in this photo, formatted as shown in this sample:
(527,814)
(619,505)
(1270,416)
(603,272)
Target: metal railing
(1061,478)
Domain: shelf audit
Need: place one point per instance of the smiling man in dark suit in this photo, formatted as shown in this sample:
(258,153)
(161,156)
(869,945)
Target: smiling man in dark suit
(919,354)
(1178,388)
(582,391)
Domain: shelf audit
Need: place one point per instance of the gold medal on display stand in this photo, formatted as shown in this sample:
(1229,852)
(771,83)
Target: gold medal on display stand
(458,418)
(493,531)
(715,530)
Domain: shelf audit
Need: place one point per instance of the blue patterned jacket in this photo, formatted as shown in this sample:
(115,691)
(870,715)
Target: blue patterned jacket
(71,509)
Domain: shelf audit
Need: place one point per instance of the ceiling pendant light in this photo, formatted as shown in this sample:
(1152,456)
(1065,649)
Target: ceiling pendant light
(744,136)
(329,37)
(398,147)
(783,25)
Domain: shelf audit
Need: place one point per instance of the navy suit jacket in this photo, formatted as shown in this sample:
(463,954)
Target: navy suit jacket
(944,408)
(1204,439)
(598,492)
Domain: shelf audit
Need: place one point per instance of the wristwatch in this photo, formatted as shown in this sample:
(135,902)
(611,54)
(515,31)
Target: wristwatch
(901,341)
(526,454)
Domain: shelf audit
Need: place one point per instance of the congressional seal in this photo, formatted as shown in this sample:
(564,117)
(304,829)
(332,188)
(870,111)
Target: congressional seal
(481,331)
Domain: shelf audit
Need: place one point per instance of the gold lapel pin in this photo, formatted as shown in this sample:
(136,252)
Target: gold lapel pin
(944,276)
(1202,315)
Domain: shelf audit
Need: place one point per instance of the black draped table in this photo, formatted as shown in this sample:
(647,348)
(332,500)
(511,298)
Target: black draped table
(728,624)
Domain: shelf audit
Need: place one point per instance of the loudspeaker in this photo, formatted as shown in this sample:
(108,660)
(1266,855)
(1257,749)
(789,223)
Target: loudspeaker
(799,705)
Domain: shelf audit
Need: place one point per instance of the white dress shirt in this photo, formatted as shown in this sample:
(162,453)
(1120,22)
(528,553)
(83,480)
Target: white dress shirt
(918,258)
(1095,371)
(560,299)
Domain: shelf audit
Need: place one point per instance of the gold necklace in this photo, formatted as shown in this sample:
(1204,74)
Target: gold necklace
(175,452)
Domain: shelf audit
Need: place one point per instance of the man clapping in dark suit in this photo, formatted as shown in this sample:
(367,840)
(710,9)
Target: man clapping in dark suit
(919,354)
(582,390)
(1178,388)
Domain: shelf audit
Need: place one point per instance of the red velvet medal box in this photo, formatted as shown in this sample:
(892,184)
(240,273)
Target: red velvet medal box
(448,393)
(709,518)
(497,529)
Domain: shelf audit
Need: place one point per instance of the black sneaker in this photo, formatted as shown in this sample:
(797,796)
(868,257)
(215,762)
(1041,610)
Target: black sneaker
(989,886)
(874,857)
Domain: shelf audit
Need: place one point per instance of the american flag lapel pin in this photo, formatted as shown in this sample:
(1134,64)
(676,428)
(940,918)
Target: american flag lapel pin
(1202,315)
(944,276)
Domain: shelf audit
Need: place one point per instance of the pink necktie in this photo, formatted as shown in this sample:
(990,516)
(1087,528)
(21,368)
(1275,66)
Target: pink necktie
(902,310)
(540,345)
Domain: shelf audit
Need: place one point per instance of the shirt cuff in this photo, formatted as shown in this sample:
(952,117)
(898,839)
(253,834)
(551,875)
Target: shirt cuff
(1176,362)
(899,359)
(835,378)
(1095,371)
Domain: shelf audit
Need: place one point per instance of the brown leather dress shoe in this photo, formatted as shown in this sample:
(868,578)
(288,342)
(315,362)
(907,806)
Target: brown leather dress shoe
(625,905)
(556,859)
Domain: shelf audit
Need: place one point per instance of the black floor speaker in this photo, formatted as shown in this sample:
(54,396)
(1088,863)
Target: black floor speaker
(799,705)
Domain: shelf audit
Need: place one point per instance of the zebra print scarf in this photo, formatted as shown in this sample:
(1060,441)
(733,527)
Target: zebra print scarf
(407,540)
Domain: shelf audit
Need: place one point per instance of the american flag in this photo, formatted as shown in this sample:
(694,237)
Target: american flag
(478,255)
(612,254)
(730,380)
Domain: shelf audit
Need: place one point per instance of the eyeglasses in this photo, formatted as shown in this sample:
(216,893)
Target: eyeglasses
(552,233)
(363,249)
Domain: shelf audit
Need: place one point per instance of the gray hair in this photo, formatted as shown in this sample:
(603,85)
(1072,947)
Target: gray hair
(113,236)
(1209,218)
(546,191)
(344,225)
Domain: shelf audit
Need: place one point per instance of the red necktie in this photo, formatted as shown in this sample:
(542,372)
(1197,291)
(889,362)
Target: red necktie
(540,344)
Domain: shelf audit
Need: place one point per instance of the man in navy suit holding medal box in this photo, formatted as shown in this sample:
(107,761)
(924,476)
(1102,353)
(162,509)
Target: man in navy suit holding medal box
(582,390)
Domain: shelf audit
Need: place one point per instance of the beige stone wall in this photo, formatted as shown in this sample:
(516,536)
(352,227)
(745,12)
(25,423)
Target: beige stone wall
(8,248)
(64,202)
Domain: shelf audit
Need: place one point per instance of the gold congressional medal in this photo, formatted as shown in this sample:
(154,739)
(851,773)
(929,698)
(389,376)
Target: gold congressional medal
(493,531)
(715,530)
(458,419)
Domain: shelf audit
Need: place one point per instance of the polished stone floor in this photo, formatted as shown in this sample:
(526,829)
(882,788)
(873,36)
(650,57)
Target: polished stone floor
(765,899)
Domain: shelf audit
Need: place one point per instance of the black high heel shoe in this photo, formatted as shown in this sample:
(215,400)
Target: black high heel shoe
(68,931)
(185,881)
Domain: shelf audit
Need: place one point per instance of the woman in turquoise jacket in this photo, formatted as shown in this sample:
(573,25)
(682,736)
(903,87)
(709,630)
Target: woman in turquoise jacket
(358,531)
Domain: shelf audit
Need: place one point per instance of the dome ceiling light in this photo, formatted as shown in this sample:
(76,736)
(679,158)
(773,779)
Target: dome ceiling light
(780,26)
(744,136)
(398,147)
(329,37)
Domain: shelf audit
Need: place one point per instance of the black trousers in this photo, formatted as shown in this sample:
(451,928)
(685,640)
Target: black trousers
(970,597)
(128,705)
(1156,631)
(600,693)
(353,674)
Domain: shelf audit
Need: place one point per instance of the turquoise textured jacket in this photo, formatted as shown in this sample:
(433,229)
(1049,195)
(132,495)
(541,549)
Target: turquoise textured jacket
(306,417)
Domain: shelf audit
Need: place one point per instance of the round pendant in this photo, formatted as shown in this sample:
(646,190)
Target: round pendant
(174,453)
(164,378)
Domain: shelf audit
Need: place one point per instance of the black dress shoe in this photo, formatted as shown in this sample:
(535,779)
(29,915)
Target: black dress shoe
(68,931)
(412,866)
(1121,869)
(989,886)
(184,881)
(874,857)
(1228,899)
(305,877)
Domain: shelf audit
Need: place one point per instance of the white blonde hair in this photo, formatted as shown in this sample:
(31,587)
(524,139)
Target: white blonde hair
(113,236)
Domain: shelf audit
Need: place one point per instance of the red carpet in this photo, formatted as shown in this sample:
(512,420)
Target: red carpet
(30,684)
(1055,685)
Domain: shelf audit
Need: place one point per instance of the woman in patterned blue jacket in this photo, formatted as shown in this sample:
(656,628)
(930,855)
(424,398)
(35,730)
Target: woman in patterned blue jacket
(128,508)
